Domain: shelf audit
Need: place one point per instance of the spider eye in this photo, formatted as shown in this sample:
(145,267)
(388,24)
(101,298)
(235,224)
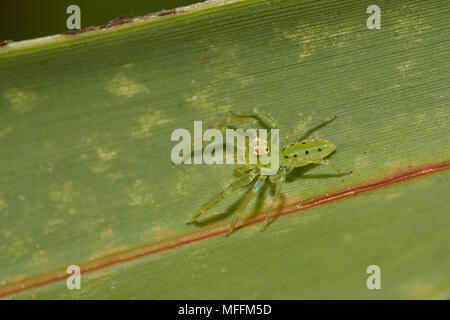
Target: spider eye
(267,149)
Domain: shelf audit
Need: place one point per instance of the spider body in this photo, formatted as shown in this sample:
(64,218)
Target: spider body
(300,153)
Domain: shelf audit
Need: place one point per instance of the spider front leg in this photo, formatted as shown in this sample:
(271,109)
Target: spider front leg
(248,197)
(242,182)
(293,131)
(228,123)
(265,119)
(320,125)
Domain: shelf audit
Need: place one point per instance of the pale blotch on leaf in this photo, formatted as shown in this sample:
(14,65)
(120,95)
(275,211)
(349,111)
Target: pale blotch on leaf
(157,234)
(63,195)
(6,131)
(361,162)
(421,117)
(300,34)
(204,100)
(108,251)
(409,28)
(149,121)
(405,66)
(39,259)
(307,37)
(139,194)
(417,289)
(105,154)
(53,225)
(19,245)
(107,234)
(392,196)
(102,275)
(441,116)
(121,86)
(394,165)
(21,101)
(3,204)
(7,234)
(246,81)
(114,176)
(200,100)
(99,167)
(304,40)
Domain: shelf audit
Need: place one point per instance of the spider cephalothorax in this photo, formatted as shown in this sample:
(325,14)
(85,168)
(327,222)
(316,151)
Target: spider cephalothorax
(292,155)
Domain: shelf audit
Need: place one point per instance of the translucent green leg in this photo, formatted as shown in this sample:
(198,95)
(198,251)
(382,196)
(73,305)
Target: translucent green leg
(276,197)
(293,131)
(238,123)
(320,125)
(267,120)
(230,123)
(243,170)
(242,182)
(248,197)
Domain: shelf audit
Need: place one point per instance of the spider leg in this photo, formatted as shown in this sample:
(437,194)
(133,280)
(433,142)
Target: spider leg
(222,128)
(242,182)
(276,197)
(242,170)
(265,119)
(320,125)
(238,123)
(229,123)
(299,127)
(248,197)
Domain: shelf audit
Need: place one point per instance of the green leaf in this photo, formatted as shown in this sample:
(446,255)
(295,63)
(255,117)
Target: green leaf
(86,176)
(324,253)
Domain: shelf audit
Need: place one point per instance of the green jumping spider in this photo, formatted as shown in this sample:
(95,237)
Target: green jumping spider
(292,155)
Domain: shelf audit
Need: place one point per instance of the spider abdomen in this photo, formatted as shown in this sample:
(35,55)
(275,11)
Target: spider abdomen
(301,153)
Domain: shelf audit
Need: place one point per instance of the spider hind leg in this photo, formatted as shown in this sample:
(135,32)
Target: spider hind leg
(240,183)
(248,197)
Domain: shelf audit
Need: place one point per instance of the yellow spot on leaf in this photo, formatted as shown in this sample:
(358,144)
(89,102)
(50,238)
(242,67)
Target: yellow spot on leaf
(361,162)
(39,259)
(100,167)
(63,195)
(149,121)
(106,234)
(158,233)
(405,66)
(392,196)
(110,250)
(3,205)
(139,194)
(246,81)
(421,117)
(6,131)
(21,101)
(121,86)
(114,176)
(418,290)
(106,155)
(53,226)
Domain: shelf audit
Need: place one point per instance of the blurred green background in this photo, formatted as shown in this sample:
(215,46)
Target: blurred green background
(27,19)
